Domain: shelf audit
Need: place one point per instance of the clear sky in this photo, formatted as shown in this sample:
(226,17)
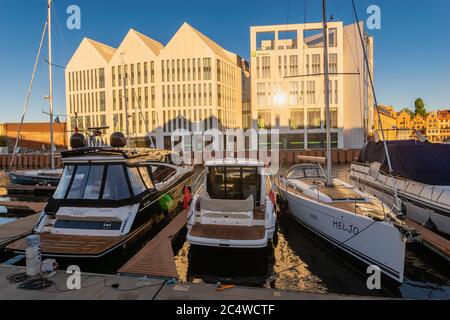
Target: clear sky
(412,49)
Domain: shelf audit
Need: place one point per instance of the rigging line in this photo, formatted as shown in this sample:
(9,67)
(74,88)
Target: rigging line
(380,123)
(61,43)
(54,65)
(27,99)
(321,74)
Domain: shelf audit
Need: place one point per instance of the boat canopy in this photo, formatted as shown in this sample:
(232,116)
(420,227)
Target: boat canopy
(423,162)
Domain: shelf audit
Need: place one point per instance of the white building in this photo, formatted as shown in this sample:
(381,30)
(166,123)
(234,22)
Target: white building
(287,84)
(191,83)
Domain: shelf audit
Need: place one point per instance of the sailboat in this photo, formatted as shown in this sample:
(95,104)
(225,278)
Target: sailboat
(338,212)
(48,176)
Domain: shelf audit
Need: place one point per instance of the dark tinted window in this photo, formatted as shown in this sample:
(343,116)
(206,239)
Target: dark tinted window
(162,173)
(116,186)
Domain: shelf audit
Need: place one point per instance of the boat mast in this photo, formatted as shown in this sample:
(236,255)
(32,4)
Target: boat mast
(125,97)
(327,94)
(52,143)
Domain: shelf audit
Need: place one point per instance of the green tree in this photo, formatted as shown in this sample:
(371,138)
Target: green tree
(420,107)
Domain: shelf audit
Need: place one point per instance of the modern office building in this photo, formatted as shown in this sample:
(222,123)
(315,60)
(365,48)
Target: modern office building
(191,83)
(287,84)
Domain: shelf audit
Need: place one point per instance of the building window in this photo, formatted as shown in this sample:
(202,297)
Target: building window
(146,97)
(102,101)
(333,63)
(316,63)
(293,93)
(139,98)
(114,100)
(189,69)
(133,99)
(152,71)
(119,74)
(207,69)
(314,118)
(132,73)
(264,119)
(210,94)
(194,70)
(101,73)
(163,96)
(297,120)
(138,73)
(266,67)
(183,69)
(310,92)
(293,65)
(113,71)
(120,100)
(163,72)
(145,73)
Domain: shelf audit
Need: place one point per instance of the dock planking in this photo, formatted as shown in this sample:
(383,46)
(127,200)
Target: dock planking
(25,189)
(432,240)
(12,231)
(22,205)
(156,258)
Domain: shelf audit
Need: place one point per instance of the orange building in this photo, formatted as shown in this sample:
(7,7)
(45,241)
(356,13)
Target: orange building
(35,136)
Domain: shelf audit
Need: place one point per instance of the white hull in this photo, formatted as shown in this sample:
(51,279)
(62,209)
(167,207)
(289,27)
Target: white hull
(418,208)
(374,243)
(243,244)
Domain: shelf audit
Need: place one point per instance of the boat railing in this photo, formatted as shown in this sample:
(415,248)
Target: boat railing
(404,185)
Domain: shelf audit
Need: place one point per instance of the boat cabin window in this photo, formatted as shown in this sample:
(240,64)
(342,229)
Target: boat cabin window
(236,183)
(306,173)
(162,173)
(64,182)
(86,183)
(116,186)
(146,177)
(137,184)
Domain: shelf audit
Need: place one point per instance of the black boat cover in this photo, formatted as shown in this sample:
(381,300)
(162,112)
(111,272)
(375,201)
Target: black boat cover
(424,162)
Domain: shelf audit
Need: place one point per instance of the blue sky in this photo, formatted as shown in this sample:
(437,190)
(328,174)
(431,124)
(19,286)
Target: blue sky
(411,49)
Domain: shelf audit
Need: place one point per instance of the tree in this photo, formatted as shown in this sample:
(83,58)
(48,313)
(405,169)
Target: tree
(408,111)
(420,107)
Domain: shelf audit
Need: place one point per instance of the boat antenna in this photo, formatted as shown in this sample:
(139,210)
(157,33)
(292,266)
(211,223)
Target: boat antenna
(327,95)
(369,72)
(27,99)
(50,75)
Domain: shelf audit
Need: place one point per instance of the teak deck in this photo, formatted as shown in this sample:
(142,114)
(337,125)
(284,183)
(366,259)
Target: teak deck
(224,232)
(156,258)
(53,244)
(17,229)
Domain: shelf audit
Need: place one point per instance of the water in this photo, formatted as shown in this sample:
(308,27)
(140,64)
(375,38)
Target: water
(300,262)
(303,262)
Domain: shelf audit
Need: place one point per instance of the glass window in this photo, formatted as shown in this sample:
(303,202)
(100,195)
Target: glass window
(146,177)
(64,182)
(136,181)
(250,182)
(87,183)
(162,173)
(79,182)
(116,186)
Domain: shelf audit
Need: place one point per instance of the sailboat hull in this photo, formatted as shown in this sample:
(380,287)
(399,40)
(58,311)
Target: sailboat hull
(372,242)
(36,177)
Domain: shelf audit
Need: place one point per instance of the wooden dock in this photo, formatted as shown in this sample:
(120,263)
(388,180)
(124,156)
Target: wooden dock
(22,205)
(431,240)
(156,258)
(12,231)
(116,287)
(15,189)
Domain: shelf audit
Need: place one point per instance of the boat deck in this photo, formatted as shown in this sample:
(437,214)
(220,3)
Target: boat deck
(224,232)
(356,206)
(54,244)
(17,229)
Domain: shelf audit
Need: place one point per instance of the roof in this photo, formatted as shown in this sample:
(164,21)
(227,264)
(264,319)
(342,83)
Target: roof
(104,50)
(218,50)
(106,154)
(152,44)
(233,162)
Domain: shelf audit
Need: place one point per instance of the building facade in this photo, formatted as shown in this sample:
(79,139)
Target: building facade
(287,84)
(34,136)
(145,87)
(388,118)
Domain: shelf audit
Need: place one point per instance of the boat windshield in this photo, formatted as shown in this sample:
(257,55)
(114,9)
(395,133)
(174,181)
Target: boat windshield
(305,172)
(236,183)
(86,182)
